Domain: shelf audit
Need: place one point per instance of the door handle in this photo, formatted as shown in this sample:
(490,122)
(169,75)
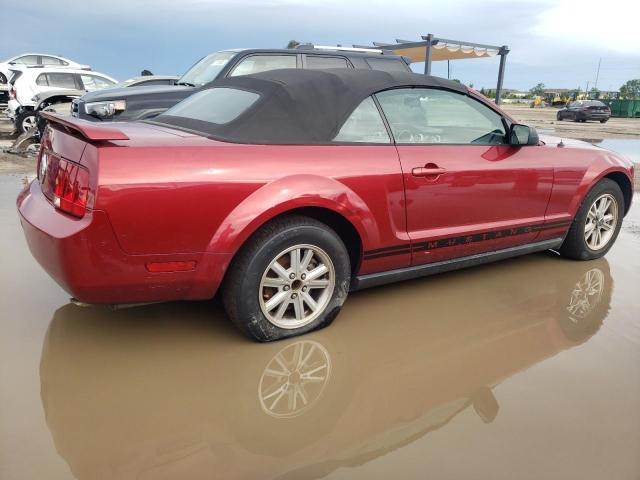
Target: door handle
(429,170)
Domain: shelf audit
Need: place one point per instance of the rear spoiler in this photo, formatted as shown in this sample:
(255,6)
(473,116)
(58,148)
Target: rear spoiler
(89,130)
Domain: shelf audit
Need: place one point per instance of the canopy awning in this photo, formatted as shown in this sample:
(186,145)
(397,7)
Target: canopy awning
(443,51)
(432,49)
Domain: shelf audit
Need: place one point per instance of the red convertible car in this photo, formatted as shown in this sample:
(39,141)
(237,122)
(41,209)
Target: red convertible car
(287,189)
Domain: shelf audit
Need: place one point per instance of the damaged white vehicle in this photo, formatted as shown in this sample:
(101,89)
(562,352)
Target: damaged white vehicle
(27,82)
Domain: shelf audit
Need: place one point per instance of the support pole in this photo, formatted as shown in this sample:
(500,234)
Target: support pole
(504,50)
(427,62)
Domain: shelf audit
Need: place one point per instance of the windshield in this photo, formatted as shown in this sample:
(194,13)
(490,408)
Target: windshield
(207,69)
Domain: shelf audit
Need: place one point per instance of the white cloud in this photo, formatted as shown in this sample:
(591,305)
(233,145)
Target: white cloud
(610,25)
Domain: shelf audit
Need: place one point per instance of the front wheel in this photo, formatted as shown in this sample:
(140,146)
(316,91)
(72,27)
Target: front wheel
(290,278)
(25,121)
(597,223)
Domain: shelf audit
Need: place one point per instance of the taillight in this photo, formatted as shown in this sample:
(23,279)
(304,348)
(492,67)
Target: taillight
(64,183)
(13,93)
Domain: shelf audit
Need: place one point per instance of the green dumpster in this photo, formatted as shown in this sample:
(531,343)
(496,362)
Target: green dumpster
(623,108)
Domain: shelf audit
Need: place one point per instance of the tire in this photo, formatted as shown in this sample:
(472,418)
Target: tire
(559,117)
(604,120)
(3,79)
(576,245)
(246,293)
(25,120)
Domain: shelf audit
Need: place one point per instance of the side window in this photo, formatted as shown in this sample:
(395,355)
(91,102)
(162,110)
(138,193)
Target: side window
(431,116)
(387,64)
(319,62)
(27,60)
(52,61)
(364,125)
(61,80)
(262,63)
(93,82)
(42,80)
(89,83)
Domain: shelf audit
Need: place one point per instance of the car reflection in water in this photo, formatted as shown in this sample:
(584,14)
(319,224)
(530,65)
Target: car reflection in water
(171,391)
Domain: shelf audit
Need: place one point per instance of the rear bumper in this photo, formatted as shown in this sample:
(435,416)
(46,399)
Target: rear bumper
(85,259)
(595,116)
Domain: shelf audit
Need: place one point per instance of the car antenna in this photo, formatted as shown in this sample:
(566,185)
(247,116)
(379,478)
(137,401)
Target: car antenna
(561,144)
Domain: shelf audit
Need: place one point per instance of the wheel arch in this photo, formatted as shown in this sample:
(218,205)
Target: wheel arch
(332,203)
(55,99)
(625,185)
(339,224)
(618,174)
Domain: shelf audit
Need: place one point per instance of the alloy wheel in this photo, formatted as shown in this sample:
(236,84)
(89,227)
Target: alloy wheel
(297,286)
(28,123)
(601,222)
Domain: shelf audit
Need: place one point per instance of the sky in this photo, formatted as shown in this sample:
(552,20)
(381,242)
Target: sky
(558,43)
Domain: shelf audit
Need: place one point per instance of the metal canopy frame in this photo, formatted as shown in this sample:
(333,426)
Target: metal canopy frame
(429,40)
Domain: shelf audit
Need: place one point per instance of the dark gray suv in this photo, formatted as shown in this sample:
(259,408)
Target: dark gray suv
(141,103)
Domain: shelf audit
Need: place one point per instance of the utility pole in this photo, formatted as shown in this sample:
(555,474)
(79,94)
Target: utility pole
(598,73)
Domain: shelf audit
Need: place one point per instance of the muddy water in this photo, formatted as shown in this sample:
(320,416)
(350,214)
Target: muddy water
(527,369)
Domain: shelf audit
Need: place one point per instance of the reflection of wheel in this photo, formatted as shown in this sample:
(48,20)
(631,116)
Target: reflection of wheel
(586,294)
(588,303)
(597,223)
(25,120)
(290,278)
(321,370)
(294,379)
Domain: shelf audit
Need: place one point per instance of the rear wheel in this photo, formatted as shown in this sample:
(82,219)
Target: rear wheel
(290,278)
(597,223)
(604,120)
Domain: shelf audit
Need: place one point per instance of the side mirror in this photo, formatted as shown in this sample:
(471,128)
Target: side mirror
(523,135)
(12,63)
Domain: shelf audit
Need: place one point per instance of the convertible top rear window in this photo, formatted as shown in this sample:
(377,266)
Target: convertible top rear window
(215,105)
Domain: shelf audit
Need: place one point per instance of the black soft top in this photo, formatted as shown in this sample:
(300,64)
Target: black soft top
(298,106)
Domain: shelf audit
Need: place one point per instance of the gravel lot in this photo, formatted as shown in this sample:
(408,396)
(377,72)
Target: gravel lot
(545,119)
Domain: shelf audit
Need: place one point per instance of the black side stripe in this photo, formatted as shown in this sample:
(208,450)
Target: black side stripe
(387,249)
(461,240)
(387,254)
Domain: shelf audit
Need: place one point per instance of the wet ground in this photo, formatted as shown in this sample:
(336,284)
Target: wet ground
(526,369)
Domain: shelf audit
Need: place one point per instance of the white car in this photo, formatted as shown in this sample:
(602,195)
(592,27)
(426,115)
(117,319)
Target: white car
(32,59)
(26,82)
